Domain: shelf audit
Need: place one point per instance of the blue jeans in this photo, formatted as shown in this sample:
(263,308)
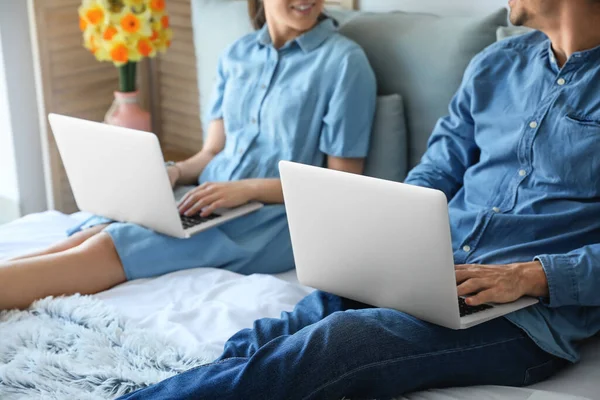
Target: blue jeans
(330,347)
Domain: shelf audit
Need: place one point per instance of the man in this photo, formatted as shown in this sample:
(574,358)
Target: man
(519,160)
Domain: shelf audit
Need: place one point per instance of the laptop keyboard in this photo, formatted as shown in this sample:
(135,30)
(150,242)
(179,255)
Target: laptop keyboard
(189,222)
(466,309)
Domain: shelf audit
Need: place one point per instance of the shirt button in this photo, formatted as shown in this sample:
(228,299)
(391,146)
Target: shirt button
(533,124)
(466,248)
(241,151)
(263,86)
(522,172)
(561,82)
(496,209)
(253,120)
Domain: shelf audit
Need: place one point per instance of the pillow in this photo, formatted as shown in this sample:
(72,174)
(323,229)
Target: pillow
(387,153)
(507,31)
(422,58)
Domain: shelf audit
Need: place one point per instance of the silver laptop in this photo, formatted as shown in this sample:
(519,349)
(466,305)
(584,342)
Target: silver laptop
(119,173)
(378,242)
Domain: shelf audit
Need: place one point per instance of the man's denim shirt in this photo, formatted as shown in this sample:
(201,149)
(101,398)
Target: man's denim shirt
(519,160)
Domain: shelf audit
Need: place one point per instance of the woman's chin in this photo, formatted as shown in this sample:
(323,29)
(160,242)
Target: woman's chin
(303,24)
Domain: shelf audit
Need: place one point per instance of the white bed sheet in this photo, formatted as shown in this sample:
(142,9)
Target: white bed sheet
(200,309)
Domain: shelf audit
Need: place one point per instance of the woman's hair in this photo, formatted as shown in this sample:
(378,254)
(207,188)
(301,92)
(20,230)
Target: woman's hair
(258,18)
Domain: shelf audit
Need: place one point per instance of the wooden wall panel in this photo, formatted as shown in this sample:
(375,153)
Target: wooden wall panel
(72,81)
(177,111)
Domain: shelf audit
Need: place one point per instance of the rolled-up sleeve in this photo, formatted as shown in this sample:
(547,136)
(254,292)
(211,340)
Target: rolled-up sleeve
(573,278)
(348,121)
(215,108)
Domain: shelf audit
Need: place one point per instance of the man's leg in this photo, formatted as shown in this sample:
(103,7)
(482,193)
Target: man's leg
(365,354)
(313,308)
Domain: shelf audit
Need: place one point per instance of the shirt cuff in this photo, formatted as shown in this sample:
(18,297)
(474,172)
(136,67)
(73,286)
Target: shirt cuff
(417,182)
(562,280)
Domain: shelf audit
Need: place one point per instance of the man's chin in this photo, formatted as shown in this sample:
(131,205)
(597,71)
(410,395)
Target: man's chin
(518,18)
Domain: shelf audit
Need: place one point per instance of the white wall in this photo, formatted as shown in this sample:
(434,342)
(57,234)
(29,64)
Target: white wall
(21,165)
(9,189)
(440,7)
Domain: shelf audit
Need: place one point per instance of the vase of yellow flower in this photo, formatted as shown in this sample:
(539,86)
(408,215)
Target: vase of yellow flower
(124,32)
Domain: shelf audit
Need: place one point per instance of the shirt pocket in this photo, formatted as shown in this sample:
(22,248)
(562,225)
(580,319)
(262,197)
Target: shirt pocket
(569,158)
(584,122)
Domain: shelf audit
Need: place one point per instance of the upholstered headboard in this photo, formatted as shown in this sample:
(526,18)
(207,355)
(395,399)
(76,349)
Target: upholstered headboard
(342,4)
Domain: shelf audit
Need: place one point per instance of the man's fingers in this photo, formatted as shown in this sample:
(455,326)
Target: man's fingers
(462,266)
(487,296)
(472,286)
(464,274)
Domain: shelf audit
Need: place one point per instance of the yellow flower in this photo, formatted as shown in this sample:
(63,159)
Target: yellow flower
(157,5)
(137,4)
(109,33)
(145,48)
(119,54)
(121,31)
(164,21)
(130,23)
(164,40)
(95,15)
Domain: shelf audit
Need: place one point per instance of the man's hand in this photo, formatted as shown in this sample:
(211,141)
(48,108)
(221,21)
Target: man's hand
(210,196)
(501,283)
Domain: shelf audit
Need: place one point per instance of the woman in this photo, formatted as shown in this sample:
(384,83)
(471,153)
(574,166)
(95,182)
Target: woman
(293,90)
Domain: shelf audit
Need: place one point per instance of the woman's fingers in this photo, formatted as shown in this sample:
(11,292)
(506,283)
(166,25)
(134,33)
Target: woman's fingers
(211,208)
(193,197)
(186,198)
(202,203)
(194,191)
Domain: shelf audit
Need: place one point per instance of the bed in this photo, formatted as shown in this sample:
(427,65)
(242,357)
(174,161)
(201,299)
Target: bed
(198,310)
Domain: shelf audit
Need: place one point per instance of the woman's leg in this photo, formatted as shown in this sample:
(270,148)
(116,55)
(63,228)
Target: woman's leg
(365,354)
(91,267)
(72,241)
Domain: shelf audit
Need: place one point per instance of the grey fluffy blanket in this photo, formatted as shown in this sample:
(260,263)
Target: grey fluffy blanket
(79,348)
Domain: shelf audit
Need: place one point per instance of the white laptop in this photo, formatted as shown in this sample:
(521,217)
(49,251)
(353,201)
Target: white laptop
(119,173)
(382,243)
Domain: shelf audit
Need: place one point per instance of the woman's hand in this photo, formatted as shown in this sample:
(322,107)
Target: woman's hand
(174,175)
(210,196)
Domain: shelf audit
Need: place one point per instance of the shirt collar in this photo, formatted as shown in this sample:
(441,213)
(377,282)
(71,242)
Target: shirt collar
(307,41)
(577,57)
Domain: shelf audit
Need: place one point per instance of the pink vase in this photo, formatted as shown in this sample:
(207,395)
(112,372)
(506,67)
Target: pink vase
(126,112)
